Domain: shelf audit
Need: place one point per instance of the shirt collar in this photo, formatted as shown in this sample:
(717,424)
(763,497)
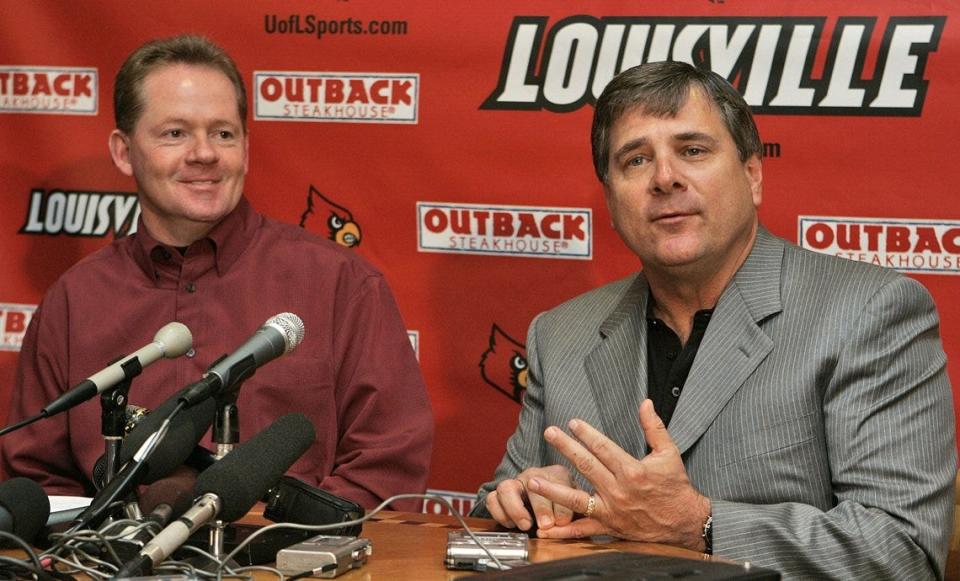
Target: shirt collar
(229,239)
(700,318)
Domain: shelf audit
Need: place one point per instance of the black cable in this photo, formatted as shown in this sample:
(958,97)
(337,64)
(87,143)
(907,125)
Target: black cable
(11,561)
(382,506)
(73,544)
(312,572)
(21,424)
(28,566)
(23,545)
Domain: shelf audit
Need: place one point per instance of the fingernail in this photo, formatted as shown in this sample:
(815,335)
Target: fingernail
(545,521)
(573,424)
(533,484)
(524,524)
(550,433)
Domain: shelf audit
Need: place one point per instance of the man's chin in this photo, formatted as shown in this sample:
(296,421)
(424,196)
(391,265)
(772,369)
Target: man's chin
(679,253)
(209,213)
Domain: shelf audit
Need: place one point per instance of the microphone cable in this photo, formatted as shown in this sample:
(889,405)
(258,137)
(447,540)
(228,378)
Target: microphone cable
(68,550)
(223,568)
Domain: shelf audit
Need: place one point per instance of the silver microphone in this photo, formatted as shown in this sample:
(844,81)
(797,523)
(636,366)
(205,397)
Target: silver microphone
(280,334)
(171,341)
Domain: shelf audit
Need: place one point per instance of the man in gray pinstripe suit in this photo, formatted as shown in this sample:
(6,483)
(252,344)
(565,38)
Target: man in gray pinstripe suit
(740,395)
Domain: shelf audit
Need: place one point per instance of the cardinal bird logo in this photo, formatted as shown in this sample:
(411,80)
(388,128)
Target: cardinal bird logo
(341,227)
(504,364)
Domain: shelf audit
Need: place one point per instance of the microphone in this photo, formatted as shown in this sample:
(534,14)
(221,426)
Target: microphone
(278,335)
(163,501)
(229,489)
(24,508)
(193,423)
(184,432)
(171,341)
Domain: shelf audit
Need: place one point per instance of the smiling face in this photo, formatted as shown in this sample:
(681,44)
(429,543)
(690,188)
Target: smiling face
(678,192)
(187,152)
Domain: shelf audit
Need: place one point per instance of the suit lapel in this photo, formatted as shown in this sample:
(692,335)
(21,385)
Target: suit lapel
(617,369)
(734,344)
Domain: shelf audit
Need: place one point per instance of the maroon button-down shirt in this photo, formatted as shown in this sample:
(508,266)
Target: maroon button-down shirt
(355,374)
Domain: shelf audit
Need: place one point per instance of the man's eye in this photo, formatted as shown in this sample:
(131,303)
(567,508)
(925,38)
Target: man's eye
(175,133)
(636,161)
(225,134)
(694,150)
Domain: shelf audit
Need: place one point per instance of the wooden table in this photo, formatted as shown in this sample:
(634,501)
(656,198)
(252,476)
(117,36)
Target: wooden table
(413,546)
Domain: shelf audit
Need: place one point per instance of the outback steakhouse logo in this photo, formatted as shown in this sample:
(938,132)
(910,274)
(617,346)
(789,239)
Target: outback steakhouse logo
(344,97)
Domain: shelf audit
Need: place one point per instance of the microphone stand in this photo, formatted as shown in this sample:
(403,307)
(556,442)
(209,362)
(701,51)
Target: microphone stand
(226,427)
(122,484)
(226,434)
(113,417)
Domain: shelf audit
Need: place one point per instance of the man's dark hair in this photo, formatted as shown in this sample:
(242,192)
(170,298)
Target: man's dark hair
(184,49)
(660,89)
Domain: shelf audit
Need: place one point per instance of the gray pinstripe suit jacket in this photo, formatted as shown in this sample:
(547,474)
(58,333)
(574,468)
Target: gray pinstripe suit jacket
(817,416)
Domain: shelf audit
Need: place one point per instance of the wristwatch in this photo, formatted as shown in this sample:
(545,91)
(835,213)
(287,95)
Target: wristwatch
(707,535)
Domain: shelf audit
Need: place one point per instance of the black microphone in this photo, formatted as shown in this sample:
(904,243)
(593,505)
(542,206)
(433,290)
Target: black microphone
(230,488)
(196,419)
(24,508)
(162,502)
(184,432)
(171,341)
(280,334)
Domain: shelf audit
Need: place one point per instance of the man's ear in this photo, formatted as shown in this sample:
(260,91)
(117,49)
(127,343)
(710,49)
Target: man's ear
(754,169)
(119,145)
(246,152)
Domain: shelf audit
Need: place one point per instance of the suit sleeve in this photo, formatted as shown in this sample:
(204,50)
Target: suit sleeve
(526,446)
(889,423)
(384,416)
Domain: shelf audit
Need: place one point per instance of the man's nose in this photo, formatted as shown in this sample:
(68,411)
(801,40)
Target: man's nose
(666,177)
(203,150)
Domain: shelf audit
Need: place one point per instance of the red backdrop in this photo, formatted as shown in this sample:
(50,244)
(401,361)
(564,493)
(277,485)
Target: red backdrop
(455,139)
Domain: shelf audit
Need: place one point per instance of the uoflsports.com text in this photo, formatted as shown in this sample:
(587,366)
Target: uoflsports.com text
(319,27)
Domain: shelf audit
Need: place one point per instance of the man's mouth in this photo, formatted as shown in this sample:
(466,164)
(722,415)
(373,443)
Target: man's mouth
(672,216)
(200,182)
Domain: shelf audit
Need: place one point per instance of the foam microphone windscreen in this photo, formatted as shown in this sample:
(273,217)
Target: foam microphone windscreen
(186,430)
(243,476)
(26,507)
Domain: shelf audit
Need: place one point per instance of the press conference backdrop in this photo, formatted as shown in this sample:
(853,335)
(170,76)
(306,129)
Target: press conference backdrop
(448,144)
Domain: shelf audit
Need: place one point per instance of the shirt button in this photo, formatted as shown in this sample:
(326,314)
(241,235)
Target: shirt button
(191,287)
(191,353)
(675,391)
(671,354)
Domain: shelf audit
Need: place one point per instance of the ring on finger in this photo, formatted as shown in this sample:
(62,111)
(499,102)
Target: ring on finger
(591,506)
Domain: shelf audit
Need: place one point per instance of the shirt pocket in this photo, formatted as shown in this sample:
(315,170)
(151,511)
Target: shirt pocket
(287,385)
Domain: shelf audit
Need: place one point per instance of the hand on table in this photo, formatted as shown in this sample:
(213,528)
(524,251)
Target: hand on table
(507,503)
(650,499)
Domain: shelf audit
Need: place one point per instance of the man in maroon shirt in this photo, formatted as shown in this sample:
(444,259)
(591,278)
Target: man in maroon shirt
(204,257)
